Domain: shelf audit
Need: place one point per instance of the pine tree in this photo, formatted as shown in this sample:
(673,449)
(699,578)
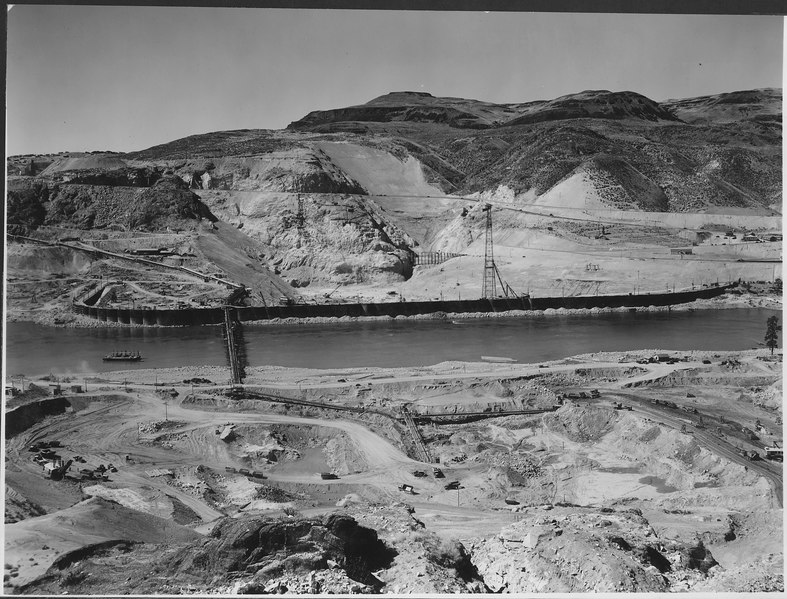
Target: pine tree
(772,333)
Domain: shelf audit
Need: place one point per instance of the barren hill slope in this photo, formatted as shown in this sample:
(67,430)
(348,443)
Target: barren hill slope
(763,105)
(345,196)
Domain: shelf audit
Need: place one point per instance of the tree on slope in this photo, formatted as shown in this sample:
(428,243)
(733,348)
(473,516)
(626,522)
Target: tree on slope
(772,333)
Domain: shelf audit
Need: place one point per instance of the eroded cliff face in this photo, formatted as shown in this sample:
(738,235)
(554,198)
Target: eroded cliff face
(166,203)
(294,169)
(339,239)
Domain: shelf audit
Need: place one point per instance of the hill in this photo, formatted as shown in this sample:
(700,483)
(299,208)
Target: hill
(343,198)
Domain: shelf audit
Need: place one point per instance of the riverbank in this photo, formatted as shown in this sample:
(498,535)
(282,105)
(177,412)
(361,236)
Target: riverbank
(294,378)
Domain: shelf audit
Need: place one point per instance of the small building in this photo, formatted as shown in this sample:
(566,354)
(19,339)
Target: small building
(750,237)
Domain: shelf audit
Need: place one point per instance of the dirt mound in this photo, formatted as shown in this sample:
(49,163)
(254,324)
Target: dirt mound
(24,258)
(33,545)
(17,507)
(581,423)
(84,162)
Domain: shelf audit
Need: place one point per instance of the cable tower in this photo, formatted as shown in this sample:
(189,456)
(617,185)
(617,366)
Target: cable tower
(489,286)
(491,273)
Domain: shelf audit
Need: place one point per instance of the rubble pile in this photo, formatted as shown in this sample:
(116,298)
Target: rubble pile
(573,549)
(425,562)
(516,465)
(581,423)
(158,425)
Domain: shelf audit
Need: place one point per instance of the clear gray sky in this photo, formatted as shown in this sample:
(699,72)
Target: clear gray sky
(126,78)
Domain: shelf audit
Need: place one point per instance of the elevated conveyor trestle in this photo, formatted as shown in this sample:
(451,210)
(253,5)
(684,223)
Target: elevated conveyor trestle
(233,336)
(420,446)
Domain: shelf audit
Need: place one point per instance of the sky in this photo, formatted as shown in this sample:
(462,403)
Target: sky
(122,78)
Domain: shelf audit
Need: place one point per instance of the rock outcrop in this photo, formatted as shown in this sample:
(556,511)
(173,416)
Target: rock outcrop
(265,548)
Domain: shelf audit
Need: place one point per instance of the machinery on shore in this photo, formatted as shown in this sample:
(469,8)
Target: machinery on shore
(123,356)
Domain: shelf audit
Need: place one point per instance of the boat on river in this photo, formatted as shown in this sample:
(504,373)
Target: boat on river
(123,356)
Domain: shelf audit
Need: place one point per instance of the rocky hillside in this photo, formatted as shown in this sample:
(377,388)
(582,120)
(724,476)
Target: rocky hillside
(373,548)
(166,203)
(687,149)
(372,178)
(759,105)
(265,555)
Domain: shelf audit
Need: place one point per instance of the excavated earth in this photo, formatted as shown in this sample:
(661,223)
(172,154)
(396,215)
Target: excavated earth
(224,495)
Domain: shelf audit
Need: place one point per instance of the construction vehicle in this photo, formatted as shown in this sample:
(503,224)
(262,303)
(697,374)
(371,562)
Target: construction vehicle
(774,453)
(419,473)
(452,486)
(438,473)
(57,470)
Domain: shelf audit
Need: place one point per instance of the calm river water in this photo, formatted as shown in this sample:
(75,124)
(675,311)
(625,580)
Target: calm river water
(34,349)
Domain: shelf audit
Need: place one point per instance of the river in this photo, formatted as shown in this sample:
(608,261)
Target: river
(33,349)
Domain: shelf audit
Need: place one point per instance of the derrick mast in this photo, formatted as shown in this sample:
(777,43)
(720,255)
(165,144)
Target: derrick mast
(489,285)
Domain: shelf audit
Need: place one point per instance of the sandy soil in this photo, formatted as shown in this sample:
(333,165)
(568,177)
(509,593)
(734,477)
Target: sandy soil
(169,457)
